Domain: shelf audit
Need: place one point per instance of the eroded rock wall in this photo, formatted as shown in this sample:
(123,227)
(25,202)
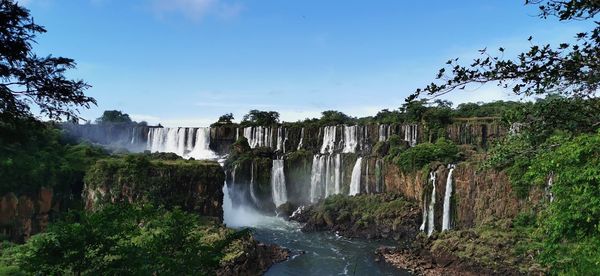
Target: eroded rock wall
(22,216)
(195,186)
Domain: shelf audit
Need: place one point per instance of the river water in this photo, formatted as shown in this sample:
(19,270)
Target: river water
(321,253)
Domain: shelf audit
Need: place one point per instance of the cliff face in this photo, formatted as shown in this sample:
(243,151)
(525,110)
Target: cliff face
(195,186)
(478,196)
(25,215)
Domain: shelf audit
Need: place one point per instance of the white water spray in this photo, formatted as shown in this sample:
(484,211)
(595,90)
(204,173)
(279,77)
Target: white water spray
(278,187)
(446,219)
(355,180)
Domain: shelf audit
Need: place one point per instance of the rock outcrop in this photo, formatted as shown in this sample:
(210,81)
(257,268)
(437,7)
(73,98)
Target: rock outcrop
(25,215)
(195,186)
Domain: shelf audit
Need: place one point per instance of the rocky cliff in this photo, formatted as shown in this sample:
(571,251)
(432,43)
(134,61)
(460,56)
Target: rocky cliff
(24,215)
(195,186)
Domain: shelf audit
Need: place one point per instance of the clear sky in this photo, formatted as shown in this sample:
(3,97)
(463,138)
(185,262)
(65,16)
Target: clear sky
(185,62)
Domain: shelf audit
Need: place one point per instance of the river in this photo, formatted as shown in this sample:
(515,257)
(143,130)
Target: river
(321,253)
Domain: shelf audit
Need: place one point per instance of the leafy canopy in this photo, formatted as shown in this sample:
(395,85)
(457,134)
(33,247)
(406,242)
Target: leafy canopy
(261,118)
(27,79)
(128,240)
(113,116)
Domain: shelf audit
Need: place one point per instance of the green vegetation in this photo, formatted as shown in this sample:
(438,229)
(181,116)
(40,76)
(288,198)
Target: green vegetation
(225,119)
(501,246)
(558,143)
(364,211)
(29,79)
(415,158)
(35,154)
(127,240)
(113,116)
(192,185)
(567,68)
(569,228)
(260,118)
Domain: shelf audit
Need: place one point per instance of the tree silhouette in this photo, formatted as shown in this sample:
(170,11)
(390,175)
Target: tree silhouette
(27,79)
(571,69)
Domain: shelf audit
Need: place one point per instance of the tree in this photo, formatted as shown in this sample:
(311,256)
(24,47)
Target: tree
(262,118)
(123,239)
(332,117)
(113,116)
(29,79)
(226,119)
(571,69)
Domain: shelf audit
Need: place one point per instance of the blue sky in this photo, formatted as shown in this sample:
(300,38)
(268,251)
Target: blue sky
(185,62)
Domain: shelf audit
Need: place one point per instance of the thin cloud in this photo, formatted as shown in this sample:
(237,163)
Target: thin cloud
(197,9)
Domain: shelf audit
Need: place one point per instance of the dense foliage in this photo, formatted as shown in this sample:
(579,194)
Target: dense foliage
(26,78)
(260,118)
(225,119)
(557,147)
(113,116)
(126,240)
(34,154)
(415,158)
(570,227)
(192,185)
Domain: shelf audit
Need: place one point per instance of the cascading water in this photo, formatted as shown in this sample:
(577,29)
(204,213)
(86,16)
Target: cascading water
(411,134)
(259,136)
(300,144)
(378,175)
(182,142)
(278,188)
(325,176)
(355,180)
(316,178)
(367,178)
(279,139)
(201,145)
(382,133)
(548,189)
(252,192)
(350,139)
(446,219)
(431,207)
(329,134)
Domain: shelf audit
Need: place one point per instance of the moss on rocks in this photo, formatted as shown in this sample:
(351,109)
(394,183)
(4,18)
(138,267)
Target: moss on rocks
(193,185)
(368,216)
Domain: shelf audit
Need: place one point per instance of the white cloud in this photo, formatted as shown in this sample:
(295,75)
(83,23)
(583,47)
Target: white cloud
(197,9)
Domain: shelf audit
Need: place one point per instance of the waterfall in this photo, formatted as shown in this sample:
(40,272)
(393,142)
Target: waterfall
(285,139)
(300,144)
(355,180)
(410,134)
(328,145)
(423,225)
(325,176)
(182,142)
(446,219)
(350,139)
(549,187)
(279,139)
(431,208)
(259,136)
(278,188)
(252,193)
(337,173)
(237,133)
(316,178)
(201,145)
(378,176)
(382,134)
(367,178)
